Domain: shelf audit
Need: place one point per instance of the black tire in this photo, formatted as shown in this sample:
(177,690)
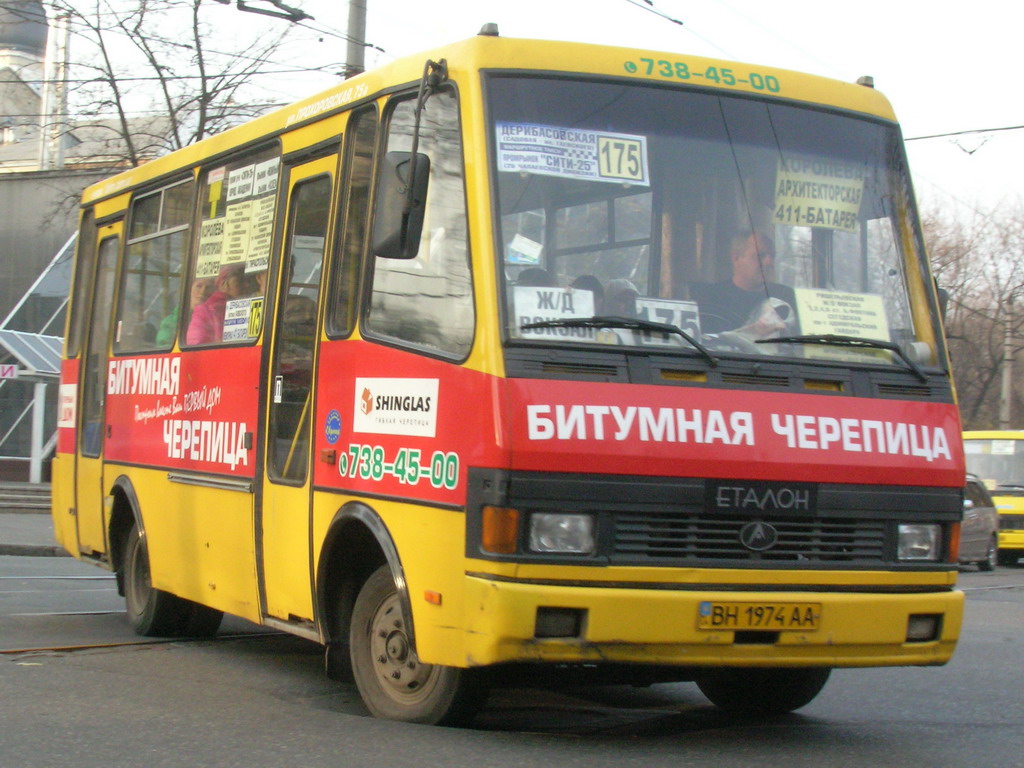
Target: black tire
(392,681)
(200,620)
(756,692)
(991,556)
(1007,557)
(153,612)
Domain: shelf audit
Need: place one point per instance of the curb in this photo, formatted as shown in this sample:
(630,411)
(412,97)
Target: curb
(33,550)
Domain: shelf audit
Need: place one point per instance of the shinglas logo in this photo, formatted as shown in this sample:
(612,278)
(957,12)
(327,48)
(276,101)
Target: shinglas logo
(396,407)
(760,498)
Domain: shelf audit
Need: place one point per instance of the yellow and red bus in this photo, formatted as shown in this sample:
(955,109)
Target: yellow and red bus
(521,356)
(996,456)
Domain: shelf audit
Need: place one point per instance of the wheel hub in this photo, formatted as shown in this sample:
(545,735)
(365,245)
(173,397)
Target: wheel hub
(397,647)
(395,662)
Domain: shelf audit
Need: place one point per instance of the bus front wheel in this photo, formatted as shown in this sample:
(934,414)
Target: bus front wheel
(1008,557)
(756,692)
(153,612)
(991,556)
(392,681)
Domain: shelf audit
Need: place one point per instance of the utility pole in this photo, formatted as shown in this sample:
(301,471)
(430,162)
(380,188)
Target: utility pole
(1006,395)
(354,56)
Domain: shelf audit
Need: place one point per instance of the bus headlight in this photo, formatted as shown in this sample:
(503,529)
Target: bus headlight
(918,541)
(563,533)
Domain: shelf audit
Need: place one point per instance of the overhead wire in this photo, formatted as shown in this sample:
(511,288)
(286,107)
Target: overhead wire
(966,133)
(648,5)
(83,28)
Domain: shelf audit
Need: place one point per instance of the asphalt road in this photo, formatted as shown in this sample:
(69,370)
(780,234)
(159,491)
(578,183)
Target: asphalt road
(78,688)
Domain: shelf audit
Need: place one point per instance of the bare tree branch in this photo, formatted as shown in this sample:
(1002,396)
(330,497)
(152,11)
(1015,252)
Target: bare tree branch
(135,73)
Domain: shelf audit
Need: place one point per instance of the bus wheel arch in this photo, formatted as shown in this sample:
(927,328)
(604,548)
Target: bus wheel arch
(124,516)
(151,612)
(356,545)
(360,579)
(391,679)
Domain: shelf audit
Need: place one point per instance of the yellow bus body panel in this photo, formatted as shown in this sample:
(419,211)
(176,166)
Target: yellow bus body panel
(199,540)
(62,504)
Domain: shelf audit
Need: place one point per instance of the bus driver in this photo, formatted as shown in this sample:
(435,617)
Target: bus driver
(739,304)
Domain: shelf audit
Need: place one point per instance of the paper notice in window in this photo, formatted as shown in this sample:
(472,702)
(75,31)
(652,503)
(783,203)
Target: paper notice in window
(573,153)
(861,315)
(261,234)
(211,247)
(238,230)
(818,193)
(537,304)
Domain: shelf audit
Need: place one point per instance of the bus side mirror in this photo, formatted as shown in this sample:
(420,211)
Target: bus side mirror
(400,206)
(943,296)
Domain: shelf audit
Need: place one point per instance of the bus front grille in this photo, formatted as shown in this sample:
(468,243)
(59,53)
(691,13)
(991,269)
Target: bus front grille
(696,537)
(1011,522)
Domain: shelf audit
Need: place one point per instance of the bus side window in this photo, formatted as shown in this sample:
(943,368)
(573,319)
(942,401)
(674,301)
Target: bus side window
(295,342)
(427,301)
(85,263)
(147,318)
(95,353)
(228,279)
(358,166)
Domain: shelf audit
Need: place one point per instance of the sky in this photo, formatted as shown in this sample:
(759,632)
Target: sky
(946,66)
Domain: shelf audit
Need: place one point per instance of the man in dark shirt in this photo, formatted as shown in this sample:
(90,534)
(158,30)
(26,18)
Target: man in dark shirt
(740,303)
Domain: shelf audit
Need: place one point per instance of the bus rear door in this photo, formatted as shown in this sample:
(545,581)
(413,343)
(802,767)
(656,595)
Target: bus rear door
(92,428)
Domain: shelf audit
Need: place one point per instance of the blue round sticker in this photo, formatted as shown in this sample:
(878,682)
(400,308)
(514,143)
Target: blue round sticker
(332,429)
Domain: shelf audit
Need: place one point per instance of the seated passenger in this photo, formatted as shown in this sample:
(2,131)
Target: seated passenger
(535,277)
(742,303)
(207,322)
(620,299)
(201,289)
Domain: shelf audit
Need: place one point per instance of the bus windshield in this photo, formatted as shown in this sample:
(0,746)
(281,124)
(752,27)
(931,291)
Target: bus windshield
(998,462)
(753,226)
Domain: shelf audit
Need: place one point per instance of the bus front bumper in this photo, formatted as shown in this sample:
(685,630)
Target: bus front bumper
(511,622)
(1011,539)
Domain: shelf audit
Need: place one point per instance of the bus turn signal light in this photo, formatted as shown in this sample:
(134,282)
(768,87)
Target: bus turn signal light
(954,543)
(500,534)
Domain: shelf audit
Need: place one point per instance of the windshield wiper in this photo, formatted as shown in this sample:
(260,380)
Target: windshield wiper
(834,340)
(628,323)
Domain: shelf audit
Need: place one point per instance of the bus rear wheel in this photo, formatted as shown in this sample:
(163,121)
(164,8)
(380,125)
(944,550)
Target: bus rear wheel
(153,612)
(392,681)
(756,692)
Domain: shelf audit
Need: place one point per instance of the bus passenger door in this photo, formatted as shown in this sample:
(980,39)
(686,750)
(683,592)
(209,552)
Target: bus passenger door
(283,525)
(90,511)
